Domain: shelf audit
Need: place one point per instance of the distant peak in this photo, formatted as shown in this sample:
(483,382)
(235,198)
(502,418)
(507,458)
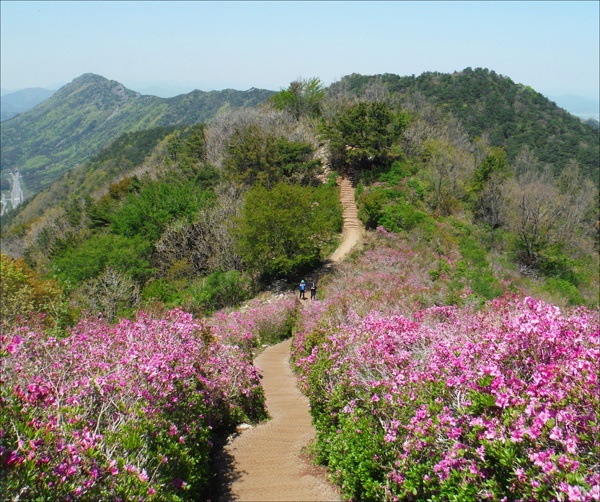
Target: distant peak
(90,76)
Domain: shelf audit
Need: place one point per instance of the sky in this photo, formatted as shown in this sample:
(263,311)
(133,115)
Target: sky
(552,46)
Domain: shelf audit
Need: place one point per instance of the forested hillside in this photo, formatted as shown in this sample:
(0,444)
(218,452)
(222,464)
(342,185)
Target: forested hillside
(492,106)
(91,112)
(155,195)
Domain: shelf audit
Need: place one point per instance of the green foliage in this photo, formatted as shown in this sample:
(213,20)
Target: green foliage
(162,290)
(395,208)
(283,231)
(362,136)
(147,212)
(397,172)
(91,112)
(89,258)
(301,98)
(565,289)
(217,291)
(134,214)
(24,294)
(120,157)
(510,115)
(371,205)
(185,149)
(493,163)
(254,156)
(403,216)
(476,269)
(355,461)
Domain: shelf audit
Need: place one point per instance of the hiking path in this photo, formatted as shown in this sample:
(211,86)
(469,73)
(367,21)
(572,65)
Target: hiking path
(269,462)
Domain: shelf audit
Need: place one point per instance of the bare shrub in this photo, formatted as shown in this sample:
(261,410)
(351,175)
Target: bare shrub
(269,120)
(206,245)
(107,294)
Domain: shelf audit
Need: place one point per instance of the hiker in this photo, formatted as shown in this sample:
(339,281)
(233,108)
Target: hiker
(302,289)
(313,291)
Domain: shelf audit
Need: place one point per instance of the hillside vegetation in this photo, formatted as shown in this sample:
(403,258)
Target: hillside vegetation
(85,116)
(470,251)
(493,107)
(416,399)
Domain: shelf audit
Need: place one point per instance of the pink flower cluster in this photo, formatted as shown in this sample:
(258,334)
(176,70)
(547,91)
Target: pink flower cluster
(128,409)
(498,402)
(263,320)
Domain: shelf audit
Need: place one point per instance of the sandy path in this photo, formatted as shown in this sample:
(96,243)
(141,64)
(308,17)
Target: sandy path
(266,462)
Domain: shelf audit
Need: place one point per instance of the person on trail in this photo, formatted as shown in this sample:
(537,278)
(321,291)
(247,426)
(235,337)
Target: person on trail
(313,291)
(302,289)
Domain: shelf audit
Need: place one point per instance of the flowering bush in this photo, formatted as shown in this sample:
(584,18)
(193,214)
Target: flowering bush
(121,412)
(454,404)
(262,321)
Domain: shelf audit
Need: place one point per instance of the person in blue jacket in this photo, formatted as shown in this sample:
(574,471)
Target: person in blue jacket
(302,289)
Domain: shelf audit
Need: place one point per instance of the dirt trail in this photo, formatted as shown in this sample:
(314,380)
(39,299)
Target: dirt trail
(267,462)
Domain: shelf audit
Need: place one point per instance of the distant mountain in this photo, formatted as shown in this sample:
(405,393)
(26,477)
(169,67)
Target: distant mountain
(83,117)
(161,90)
(13,103)
(511,115)
(577,105)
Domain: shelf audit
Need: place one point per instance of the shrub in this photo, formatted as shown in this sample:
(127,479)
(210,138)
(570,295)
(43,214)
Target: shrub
(457,404)
(24,294)
(283,231)
(90,258)
(565,289)
(120,412)
(264,320)
(161,290)
(219,290)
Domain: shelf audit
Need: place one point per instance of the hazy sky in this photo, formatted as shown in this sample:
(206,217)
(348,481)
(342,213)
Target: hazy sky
(550,45)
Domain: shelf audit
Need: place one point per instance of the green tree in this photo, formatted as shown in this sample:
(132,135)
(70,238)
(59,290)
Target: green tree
(254,156)
(88,259)
(250,157)
(301,98)
(283,231)
(363,135)
(493,163)
(148,212)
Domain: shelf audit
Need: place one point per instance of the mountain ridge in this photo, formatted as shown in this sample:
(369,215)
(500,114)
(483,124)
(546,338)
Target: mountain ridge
(89,113)
(86,115)
(488,104)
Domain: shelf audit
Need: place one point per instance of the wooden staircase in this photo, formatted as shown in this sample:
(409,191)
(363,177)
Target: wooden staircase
(350,213)
(353,228)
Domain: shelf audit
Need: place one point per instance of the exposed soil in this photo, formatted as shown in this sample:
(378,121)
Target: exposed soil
(269,462)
